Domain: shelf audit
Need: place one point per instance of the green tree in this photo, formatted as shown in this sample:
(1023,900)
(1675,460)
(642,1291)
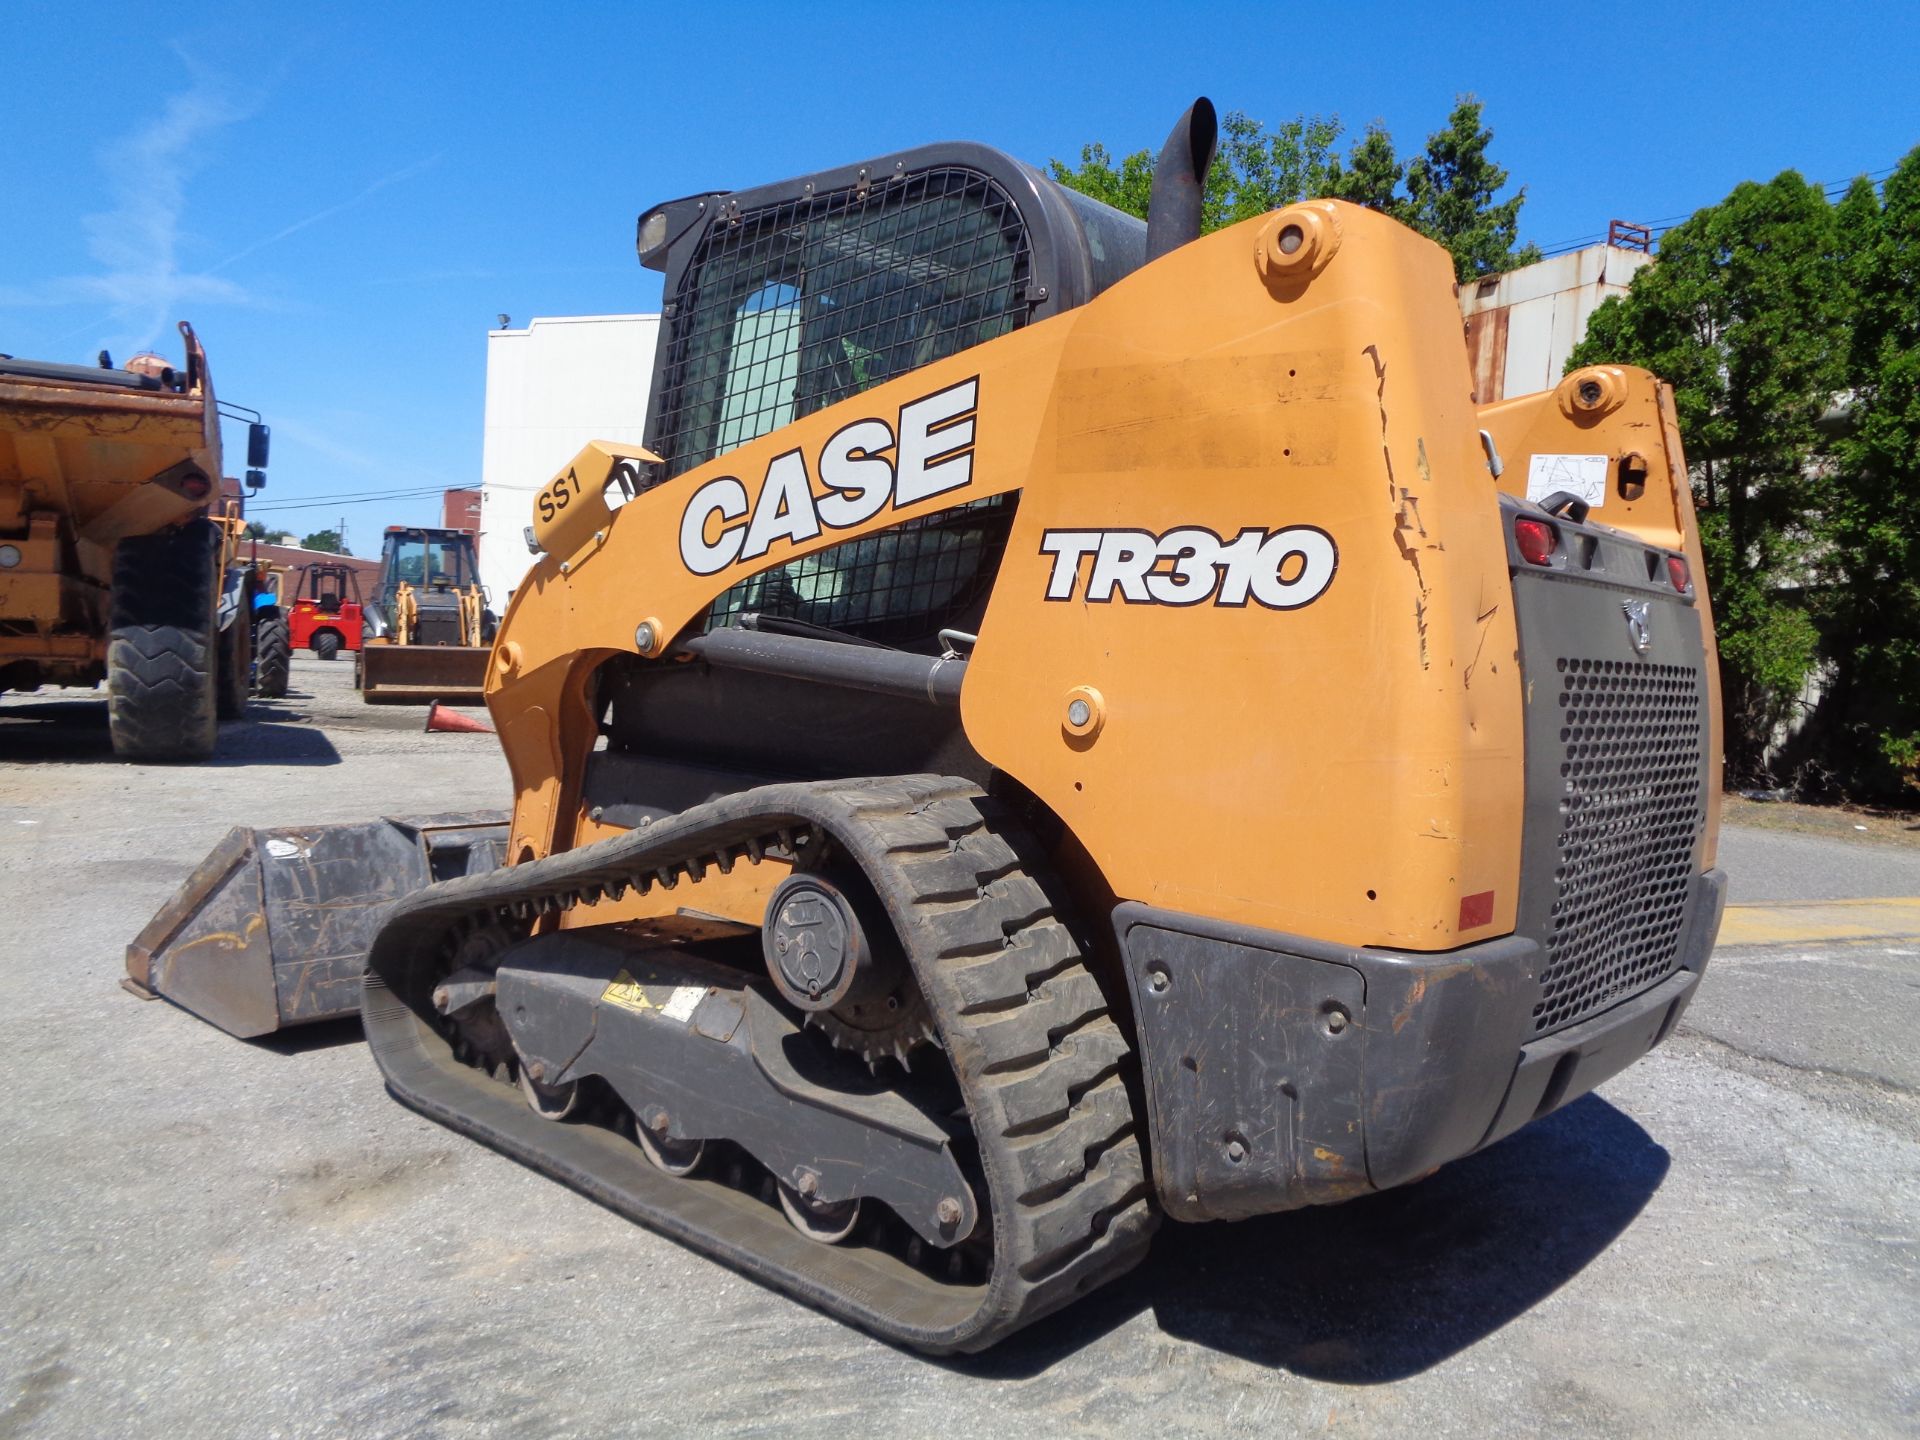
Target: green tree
(1373,175)
(1451,191)
(1448,193)
(1257,170)
(1744,314)
(256,531)
(1254,170)
(1125,185)
(1871,524)
(328,540)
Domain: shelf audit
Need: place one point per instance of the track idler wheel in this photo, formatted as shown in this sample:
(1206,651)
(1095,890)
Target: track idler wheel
(464,997)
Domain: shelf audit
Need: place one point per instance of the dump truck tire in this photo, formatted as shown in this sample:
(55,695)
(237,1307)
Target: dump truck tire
(162,650)
(236,665)
(274,663)
(326,645)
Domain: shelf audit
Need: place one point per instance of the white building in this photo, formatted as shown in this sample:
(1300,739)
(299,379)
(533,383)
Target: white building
(1522,326)
(552,387)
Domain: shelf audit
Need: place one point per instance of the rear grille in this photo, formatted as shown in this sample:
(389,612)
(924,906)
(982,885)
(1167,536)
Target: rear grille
(1631,737)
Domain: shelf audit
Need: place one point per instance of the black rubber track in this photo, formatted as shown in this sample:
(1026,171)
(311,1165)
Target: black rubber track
(1025,1027)
(273,665)
(161,660)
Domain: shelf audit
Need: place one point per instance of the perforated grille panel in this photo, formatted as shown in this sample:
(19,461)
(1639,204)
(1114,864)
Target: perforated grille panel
(790,308)
(1630,813)
(898,587)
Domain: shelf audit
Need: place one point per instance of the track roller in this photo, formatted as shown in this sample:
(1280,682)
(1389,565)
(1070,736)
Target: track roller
(676,1157)
(549,1102)
(829,1222)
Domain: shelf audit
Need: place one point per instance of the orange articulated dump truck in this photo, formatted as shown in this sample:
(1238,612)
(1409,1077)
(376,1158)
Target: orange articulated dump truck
(1065,723)
(119,561)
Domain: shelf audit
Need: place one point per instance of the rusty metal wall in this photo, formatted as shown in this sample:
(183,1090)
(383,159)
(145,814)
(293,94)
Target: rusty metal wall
(1522,326)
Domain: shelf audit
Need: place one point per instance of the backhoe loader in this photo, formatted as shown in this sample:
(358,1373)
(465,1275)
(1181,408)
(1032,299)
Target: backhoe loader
(1064,722)
(430,627)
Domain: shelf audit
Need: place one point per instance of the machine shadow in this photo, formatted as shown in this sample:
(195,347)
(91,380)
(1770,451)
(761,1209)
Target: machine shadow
(1382,1288)
(305,1039)
(73,730)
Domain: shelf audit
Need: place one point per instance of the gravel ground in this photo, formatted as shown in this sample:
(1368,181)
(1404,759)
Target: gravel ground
(210,1237)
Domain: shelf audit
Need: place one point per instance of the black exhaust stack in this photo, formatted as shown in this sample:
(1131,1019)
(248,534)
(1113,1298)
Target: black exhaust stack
(1180,180)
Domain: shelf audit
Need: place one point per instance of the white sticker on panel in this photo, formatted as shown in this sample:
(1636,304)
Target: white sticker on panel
(680,1005)
(1582,475)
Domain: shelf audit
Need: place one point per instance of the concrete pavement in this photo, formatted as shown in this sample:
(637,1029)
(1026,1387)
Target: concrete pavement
(200,1236)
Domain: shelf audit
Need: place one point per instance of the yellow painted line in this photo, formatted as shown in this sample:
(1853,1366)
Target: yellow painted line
(1803,923)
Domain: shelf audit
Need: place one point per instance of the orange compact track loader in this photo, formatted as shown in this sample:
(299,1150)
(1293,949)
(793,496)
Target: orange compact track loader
(1065,722)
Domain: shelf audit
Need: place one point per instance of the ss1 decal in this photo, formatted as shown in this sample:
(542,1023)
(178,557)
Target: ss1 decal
(557,494)
(1280,569)
(932,447)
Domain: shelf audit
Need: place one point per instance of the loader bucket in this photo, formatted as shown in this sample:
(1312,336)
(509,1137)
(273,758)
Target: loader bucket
(422,674)
(272,929)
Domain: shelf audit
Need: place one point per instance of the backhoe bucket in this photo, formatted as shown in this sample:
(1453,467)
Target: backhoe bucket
(272,929)
(422,674)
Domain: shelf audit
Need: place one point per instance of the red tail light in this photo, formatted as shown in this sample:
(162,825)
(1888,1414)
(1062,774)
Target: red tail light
(195,487)
(1678,574)
(1536,539)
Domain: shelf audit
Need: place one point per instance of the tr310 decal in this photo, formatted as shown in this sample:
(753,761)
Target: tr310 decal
(1280,569)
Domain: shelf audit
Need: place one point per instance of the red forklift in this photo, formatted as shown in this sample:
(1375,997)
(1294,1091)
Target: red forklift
(326,617)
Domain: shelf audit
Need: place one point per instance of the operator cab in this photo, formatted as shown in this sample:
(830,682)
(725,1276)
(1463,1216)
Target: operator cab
(780,301)
(790,297)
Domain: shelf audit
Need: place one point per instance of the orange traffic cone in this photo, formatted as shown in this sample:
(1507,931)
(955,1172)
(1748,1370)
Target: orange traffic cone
(439,717)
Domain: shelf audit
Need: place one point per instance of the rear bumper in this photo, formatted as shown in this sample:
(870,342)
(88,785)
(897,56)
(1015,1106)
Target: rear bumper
(1280,1071)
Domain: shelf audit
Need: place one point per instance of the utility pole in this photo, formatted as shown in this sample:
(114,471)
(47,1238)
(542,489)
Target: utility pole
(343,536)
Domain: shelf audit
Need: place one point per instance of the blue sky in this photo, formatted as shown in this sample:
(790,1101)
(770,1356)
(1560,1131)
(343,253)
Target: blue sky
(342,198)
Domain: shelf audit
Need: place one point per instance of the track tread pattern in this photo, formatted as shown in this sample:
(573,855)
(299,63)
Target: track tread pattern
(1034,997)
(1025,1026)
(162,665)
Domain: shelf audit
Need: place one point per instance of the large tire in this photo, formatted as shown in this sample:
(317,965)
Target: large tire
(162,665)
(236,660)
(273,664)
(326,645)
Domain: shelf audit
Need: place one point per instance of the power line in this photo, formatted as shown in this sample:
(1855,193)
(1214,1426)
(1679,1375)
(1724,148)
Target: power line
(272,506)
(1832,189)
(384,490)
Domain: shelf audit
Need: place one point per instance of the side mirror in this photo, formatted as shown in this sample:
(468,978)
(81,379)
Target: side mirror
(255,479)
(258,437)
